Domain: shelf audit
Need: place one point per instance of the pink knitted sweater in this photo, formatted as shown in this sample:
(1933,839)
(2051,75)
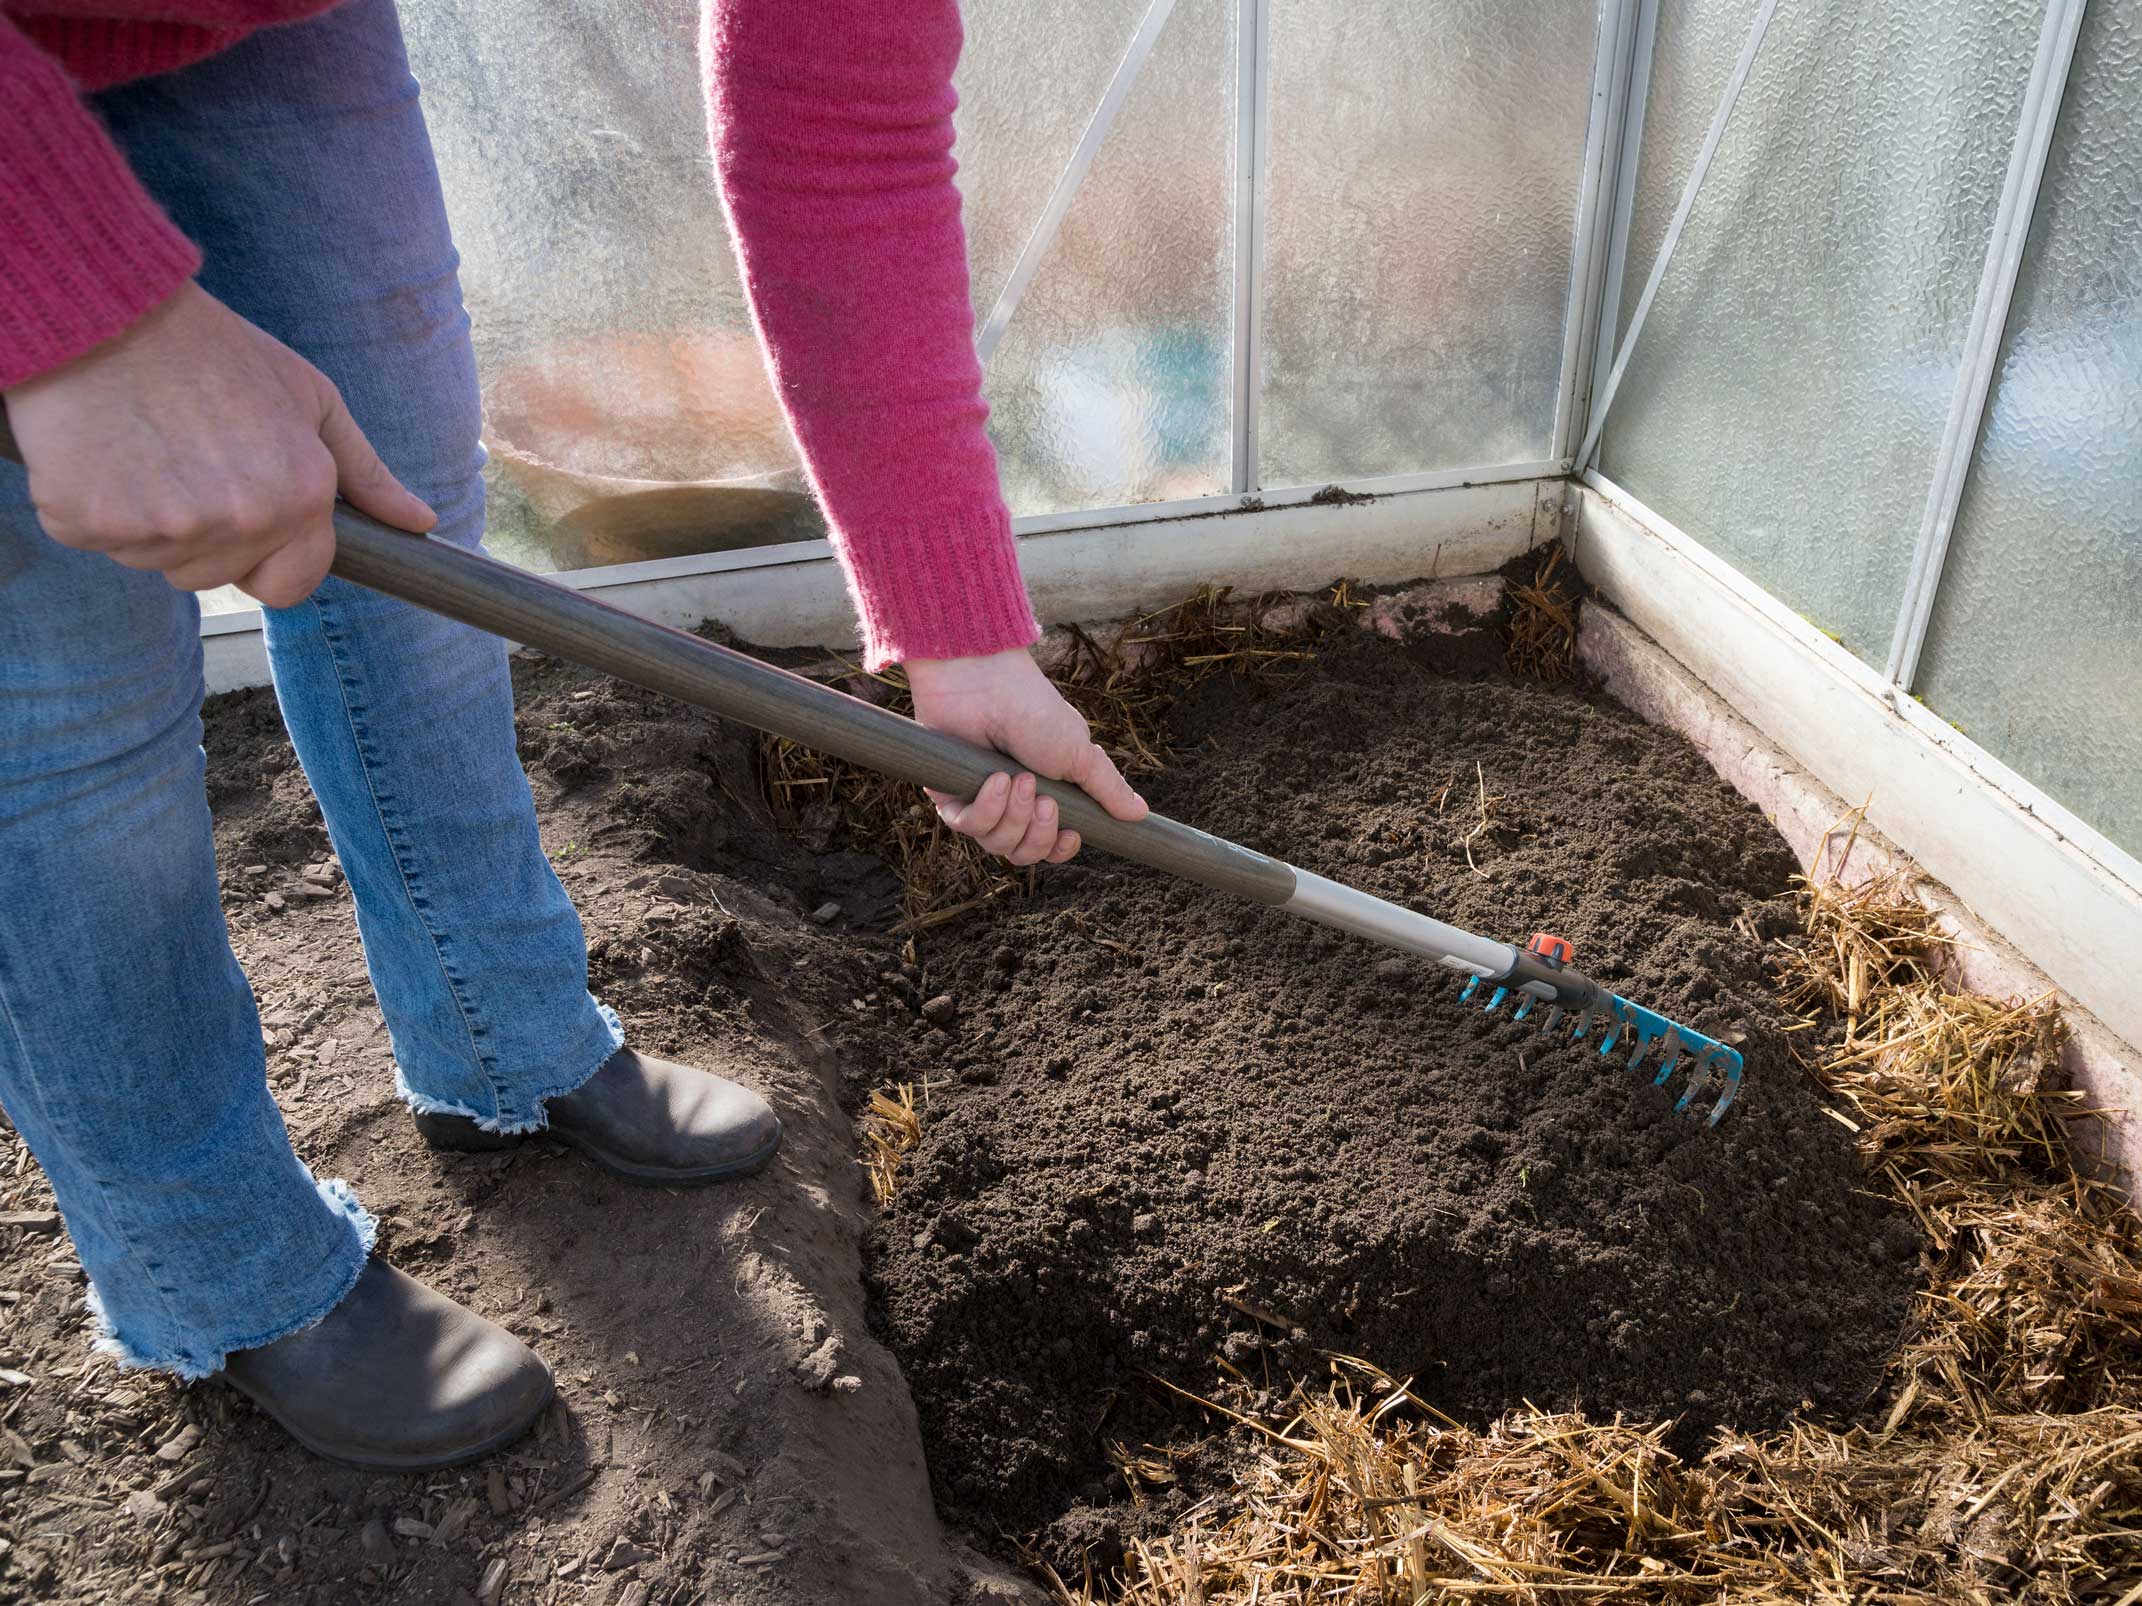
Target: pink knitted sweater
(832,137)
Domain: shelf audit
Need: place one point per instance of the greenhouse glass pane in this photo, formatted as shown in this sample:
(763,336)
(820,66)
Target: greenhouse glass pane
(1695,44)
(1027,85)
(2033,649)
(1424,162)
(1114,381)
(1788,394)
(627,407)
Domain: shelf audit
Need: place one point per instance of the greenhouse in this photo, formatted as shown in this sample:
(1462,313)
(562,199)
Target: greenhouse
(1645,490)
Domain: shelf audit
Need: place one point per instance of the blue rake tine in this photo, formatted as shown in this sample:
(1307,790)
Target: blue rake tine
(1495,1003)
(1731,1061)
(1472,985)
(1696,1083)
(1671,1052)
(1525,1008)
(1638,1050)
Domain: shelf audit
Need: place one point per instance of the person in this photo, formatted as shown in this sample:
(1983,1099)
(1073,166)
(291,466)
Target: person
(230,296)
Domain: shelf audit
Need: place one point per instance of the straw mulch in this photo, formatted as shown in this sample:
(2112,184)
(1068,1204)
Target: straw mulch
(892,1126)
(1124,684)
(1540,638)
(2005,1466)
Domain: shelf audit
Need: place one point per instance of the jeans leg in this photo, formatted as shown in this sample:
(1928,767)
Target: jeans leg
(300,163)
(130,1051)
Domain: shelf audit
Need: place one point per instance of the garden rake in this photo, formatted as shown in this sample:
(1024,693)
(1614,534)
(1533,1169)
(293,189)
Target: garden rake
(510,602)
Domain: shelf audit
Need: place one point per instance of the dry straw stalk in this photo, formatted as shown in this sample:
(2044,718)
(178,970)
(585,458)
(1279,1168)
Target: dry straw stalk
(1541,639)
(892,1126)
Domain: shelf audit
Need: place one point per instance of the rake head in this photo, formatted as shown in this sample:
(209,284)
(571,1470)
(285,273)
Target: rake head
(1542,976)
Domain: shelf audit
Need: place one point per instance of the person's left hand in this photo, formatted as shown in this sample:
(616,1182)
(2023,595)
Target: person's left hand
(1004,701)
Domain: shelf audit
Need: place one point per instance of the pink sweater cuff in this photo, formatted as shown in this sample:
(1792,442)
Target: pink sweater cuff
(942,586)
(84,251)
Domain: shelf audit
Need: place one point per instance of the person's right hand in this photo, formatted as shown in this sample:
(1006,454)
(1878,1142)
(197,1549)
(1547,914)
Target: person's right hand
(199,447)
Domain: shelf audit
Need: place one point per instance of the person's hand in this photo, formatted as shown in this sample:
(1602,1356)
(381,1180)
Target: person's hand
(197,446)
(1004,701)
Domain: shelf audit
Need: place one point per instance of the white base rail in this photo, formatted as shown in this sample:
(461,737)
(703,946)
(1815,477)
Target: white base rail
(1090,565)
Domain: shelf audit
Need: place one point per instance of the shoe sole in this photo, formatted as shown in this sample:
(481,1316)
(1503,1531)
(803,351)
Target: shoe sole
(474,1140)
(404,1463)
(657,1177)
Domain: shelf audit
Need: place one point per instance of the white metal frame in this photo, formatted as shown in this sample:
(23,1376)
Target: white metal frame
(1401,529)
(1253,40)
(1984,340)
(1635,89)
(1599,193)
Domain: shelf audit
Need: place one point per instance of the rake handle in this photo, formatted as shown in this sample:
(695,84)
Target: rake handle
(510,602)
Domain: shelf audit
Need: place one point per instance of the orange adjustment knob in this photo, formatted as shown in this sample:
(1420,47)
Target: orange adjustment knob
(1551,948)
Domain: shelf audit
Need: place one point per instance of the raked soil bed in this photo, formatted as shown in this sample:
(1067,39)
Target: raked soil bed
(1177,1137)
(1168,1139)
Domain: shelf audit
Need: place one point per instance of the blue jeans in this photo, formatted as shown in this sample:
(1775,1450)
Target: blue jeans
(130,1050)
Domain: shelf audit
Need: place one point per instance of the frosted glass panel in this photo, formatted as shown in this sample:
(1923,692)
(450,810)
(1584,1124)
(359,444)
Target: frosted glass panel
(2034,649)
(1028,82)
(1114,381)
(626,408)
(1424,163)
(1694,47)
(1788,394)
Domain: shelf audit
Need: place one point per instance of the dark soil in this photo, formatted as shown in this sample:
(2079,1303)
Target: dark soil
(1172,1135)
(1178,1136)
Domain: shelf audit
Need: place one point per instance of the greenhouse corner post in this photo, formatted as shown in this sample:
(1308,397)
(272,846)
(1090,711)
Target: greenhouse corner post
(1253,39)
(1986,337)
(1626,160)
(1596,193)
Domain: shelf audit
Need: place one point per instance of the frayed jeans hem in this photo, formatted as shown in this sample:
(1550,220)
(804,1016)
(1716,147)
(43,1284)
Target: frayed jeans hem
(193,1366)
(514,1125)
